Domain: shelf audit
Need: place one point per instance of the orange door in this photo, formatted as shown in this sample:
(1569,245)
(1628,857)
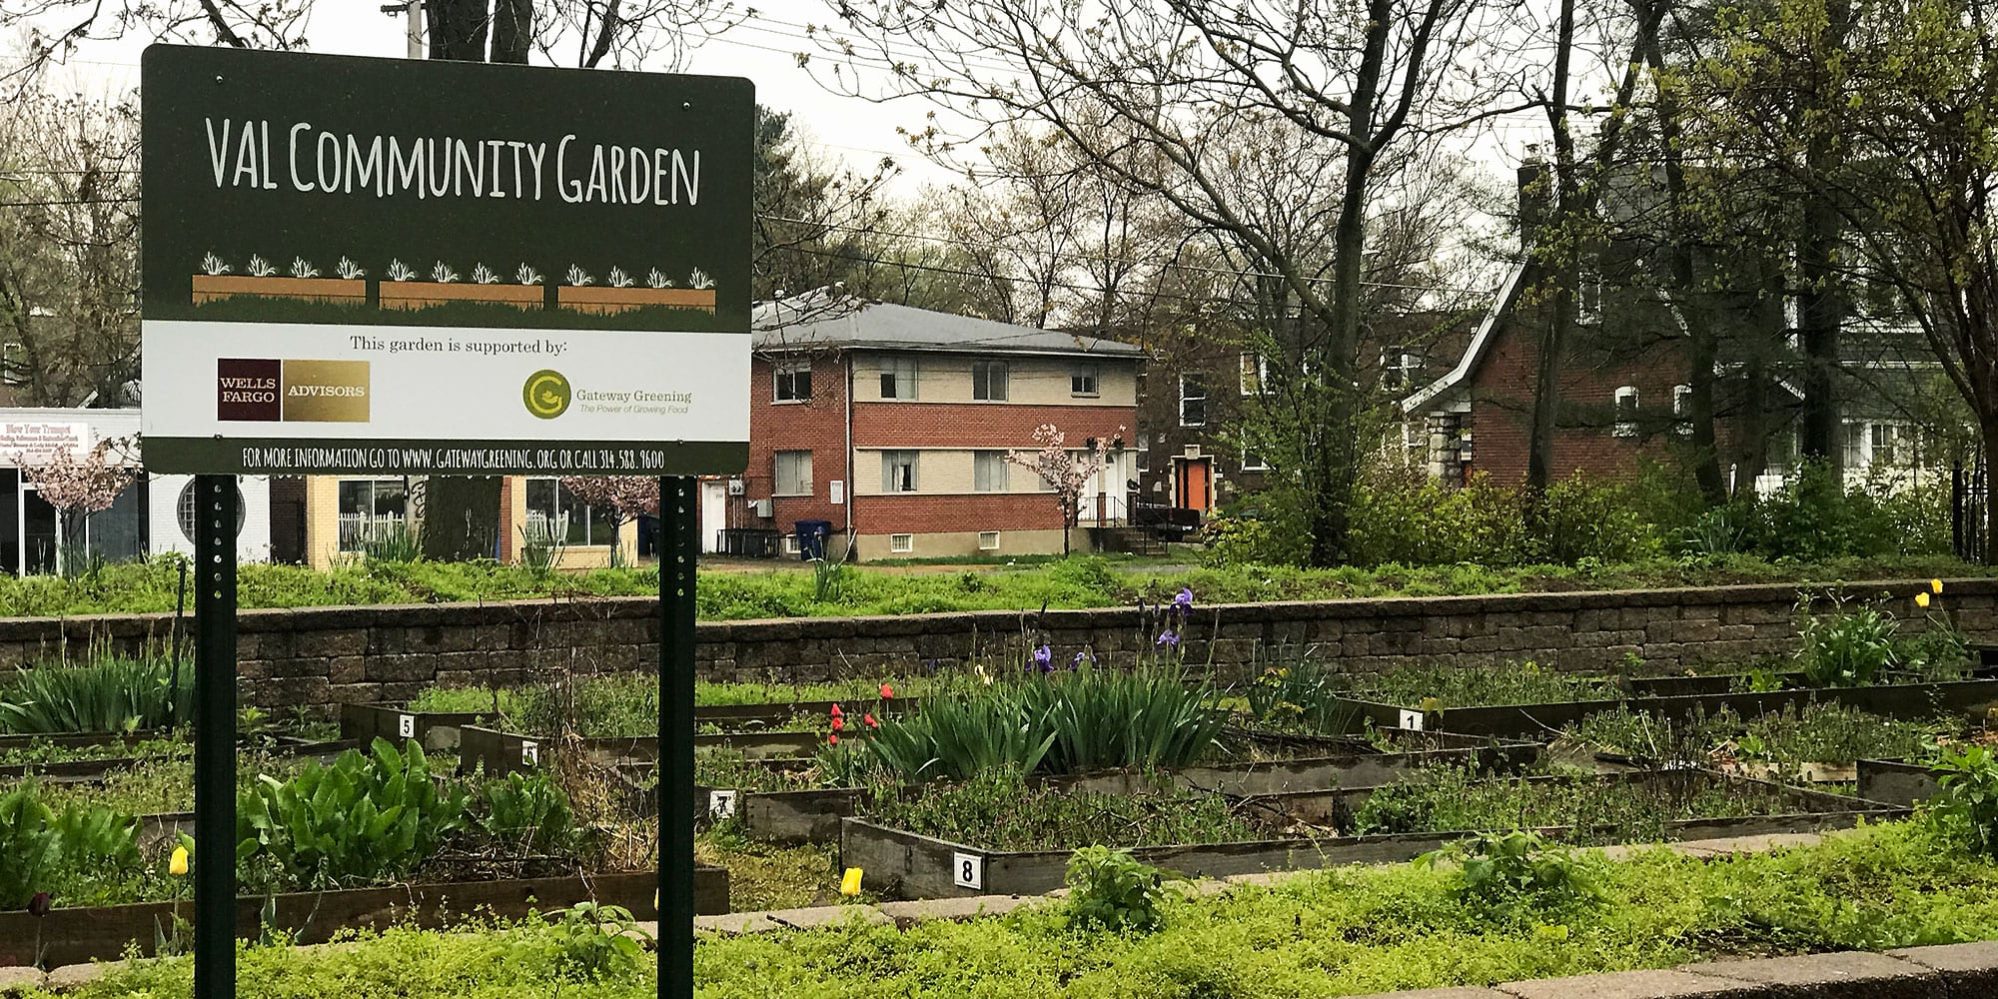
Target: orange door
(1196,476)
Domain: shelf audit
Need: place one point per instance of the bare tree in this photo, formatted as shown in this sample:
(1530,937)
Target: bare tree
(69,244)
(1167,79)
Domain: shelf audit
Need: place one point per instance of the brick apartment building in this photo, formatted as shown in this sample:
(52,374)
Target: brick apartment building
(893,424)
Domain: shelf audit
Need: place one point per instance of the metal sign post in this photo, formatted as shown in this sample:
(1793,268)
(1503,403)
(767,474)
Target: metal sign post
(215,510)
(679,548)
(390,268)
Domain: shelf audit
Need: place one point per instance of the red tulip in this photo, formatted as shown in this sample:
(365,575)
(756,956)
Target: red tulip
(887,691)
(837,713)
(839,724)
(832,739)
(869,721)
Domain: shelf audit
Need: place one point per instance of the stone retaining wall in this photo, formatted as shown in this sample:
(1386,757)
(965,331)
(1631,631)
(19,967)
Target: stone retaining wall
(329,655)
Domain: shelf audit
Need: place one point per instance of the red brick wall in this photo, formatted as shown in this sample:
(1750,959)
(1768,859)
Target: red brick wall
(1502,408)
(919,514)
(984,425)
(818,426)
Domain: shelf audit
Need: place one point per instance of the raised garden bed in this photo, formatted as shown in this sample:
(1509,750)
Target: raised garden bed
(509,752)
(1896,782)
(812,815)
(1918,700)
(76,936)
(1820,742)
(908,864)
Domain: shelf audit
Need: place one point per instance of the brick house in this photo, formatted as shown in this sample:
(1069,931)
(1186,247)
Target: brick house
(892,424)
(1623,387)
(1191,450)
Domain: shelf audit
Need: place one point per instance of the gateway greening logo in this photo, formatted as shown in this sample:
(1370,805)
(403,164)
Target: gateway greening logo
(546,394)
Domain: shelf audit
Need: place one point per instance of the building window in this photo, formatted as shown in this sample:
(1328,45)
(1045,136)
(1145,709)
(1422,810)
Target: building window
(1255,373)
(988,541)
(988,381)
(794,474)
(794,380)
(1399,369)
(1252,459)
(1082,380)
(1589,294)
(371,509)
(1192,401)
(901,544)
(555,513)
(1682,409)
(898,378)
(1890,444)
(13,363)
(1626,412)
(898,471)
(989,471)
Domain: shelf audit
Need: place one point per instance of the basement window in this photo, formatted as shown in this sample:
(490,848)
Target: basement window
(988,541)
(901,544)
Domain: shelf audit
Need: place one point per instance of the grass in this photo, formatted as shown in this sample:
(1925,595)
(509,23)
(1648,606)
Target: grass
(1445,799)
(1001,811)
(1458,687)
(1082,581)
(1339,932)
(1815,733)
(763,876)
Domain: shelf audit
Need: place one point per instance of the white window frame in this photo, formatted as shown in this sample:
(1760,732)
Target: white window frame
(981,381)
(1085,381)
(1252,460)
(1255,374)
(993,467)
(13,372)
(890,483)
(993,546)
(901,368)
(1203,398)
(1625,427)
(352,535)
(1398,368)
(790,368)
(901,544)
(1589,294)
(1682,409)
(777,478)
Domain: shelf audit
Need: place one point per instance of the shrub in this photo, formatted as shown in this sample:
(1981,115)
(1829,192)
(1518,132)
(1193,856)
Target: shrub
(1112,890)
(1505,872)
(529,815)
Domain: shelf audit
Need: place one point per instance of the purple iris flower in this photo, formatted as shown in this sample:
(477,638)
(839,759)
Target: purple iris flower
(1080,658)
(1044,658)
(1183,602)
(1169,639)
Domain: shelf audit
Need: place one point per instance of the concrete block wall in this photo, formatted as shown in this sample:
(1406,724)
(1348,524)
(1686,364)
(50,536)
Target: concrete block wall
(318,657)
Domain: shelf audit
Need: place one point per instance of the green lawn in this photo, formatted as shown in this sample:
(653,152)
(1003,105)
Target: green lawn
(1339,932)
(1083,581)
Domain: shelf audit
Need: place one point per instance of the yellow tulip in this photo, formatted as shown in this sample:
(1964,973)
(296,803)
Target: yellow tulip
(1935,585)
(178,865)
(849,885)
(1922,600)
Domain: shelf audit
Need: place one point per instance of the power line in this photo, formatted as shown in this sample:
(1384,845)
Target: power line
(1198,268)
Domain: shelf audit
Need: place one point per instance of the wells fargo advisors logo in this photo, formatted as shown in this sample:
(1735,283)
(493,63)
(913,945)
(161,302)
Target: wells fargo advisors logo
(267,389)
(546,394)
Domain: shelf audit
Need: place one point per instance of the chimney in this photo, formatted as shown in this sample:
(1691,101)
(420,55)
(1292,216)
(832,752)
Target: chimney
(1533,193)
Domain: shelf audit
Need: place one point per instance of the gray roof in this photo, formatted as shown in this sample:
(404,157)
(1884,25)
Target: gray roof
(817,321)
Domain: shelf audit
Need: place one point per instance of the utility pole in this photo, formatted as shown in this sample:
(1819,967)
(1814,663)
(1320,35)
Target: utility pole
(412,12)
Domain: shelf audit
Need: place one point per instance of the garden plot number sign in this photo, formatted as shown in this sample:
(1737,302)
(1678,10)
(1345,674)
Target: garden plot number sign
(433,268)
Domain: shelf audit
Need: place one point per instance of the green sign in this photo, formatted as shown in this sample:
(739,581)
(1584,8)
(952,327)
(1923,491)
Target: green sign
(409,267)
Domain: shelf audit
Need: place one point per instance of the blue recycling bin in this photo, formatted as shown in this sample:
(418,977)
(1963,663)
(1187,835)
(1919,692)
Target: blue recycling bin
(812,535)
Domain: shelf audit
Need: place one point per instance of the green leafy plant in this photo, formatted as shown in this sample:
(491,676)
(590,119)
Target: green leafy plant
(1303,696)
(40,846)
(1844,646)
(593,942)
(106,694)
(392,543)
(364,817)
(1506,870)
(1111,890)
(829,581)
(529,814)
(1968,802)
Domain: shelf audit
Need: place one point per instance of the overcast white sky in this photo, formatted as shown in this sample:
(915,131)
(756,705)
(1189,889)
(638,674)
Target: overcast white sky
(761,48)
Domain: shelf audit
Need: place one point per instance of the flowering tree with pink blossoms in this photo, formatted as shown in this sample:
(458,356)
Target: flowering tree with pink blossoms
(624,497)
(80,486)
(1065,471)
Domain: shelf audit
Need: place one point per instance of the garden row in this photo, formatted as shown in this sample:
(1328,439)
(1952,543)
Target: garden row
(946,783)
